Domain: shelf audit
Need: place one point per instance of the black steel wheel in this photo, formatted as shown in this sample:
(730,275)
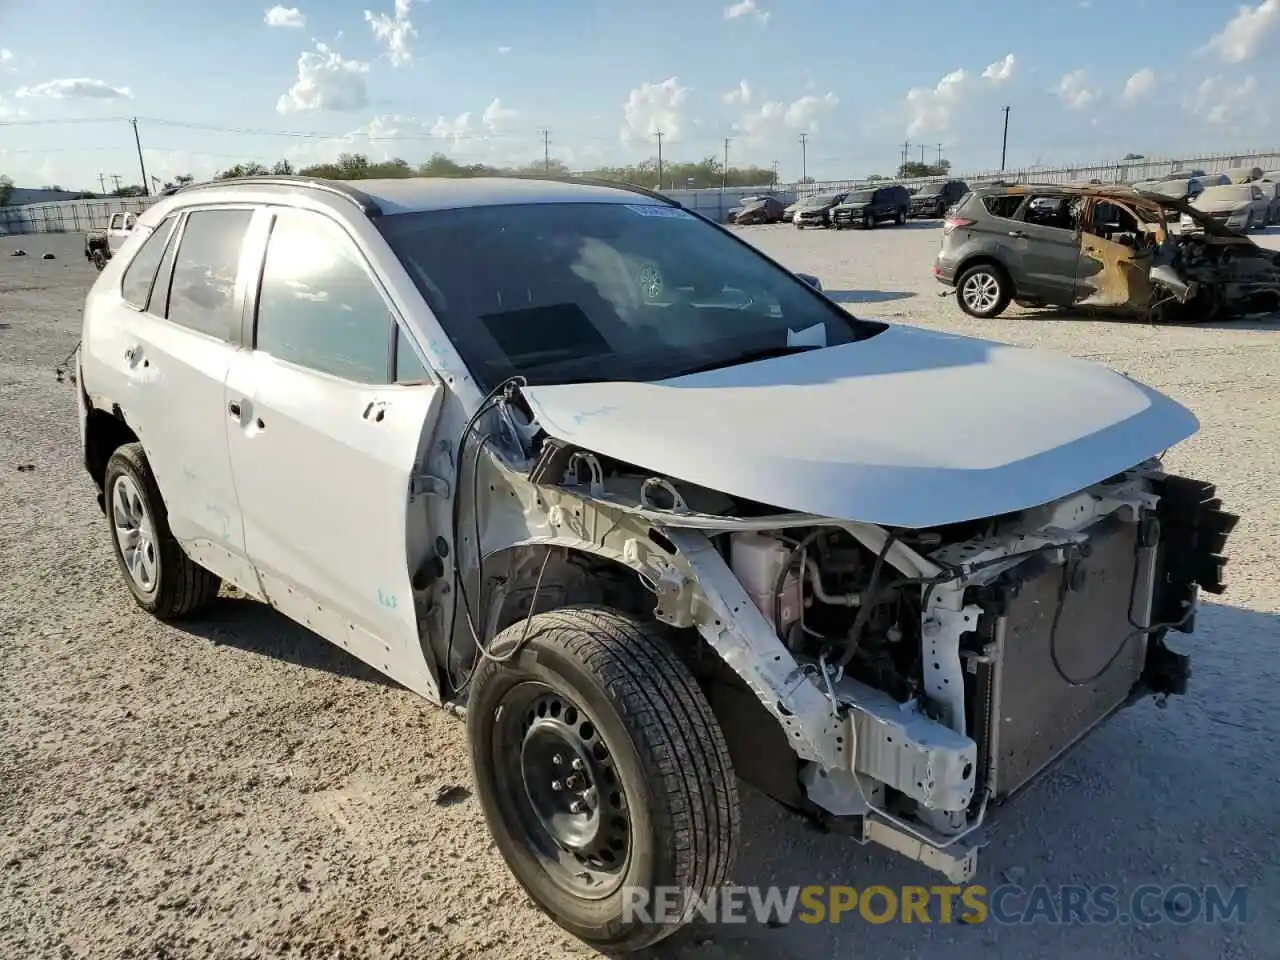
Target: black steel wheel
(565,783)
(601,771)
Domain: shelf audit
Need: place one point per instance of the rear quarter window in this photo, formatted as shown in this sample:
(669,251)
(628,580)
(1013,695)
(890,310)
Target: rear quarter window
(140,274)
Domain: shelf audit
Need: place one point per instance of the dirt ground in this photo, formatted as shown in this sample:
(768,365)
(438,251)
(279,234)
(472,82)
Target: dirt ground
(237,788)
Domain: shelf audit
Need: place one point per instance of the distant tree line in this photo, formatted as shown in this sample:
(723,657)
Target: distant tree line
(708,172)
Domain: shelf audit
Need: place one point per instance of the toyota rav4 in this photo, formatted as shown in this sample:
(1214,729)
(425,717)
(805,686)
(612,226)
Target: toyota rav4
(656,512)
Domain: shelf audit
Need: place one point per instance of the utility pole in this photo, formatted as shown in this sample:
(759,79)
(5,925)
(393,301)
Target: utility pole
(102,182)
(1004,144)
(775,174)
(804,158)
(116,178)
(546,149)
(939,154)
(922,155)
(659,159)
(906,153)
(724,174)
(146,187)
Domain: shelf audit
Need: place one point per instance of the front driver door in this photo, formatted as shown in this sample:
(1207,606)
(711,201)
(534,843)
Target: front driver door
(324,434)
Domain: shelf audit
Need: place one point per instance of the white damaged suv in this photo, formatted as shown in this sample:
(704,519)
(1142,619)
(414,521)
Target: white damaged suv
(655,510)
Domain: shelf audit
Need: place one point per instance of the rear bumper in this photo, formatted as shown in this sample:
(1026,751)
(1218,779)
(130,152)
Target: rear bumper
(944,272)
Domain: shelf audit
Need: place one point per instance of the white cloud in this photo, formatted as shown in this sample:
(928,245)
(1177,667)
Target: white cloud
(326,82)
(746,8)
(79,88)
(931,110)
(804,113)
(1001,70)
(6,60)
(496,117)
(1073,89)
(740,94)
(394,32)
(279,16)
(1220,101)
(773,115)
(651,107)
(1246,32)
(1140,84)
(504,50)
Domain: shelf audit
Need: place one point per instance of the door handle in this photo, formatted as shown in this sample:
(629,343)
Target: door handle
(132,352)
(233,408)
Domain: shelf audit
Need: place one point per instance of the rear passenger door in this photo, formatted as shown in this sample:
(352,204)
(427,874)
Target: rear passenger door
(1046,248)
(328,416)
(181,335)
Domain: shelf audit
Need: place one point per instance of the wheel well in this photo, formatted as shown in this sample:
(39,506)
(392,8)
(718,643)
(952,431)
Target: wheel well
(759,747)
(104,433)
(990,261)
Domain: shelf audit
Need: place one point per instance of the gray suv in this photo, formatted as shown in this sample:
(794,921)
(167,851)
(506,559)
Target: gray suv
(1108,246)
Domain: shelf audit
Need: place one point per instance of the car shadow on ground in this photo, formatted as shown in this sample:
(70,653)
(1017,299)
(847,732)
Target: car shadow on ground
(1104,795)
(255,627)
(868,296)
(1254,321)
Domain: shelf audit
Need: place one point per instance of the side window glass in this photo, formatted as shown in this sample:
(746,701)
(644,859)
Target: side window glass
(318,307)
(408,367)
(116,220)
(1006,206)
(140,274)
(202,294)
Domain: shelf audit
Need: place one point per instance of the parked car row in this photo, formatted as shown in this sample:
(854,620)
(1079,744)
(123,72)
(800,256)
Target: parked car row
(865,207)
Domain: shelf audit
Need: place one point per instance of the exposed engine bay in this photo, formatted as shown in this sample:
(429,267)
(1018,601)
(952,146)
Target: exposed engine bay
(898,682)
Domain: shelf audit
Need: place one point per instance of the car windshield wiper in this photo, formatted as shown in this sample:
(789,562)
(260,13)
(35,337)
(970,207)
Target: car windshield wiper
(747,356)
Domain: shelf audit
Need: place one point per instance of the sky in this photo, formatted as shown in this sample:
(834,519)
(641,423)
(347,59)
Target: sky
(213,84)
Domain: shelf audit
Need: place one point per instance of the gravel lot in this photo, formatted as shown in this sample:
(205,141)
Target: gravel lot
(237,788)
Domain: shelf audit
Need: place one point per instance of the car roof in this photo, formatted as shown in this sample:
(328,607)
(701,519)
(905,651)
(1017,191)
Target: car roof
(416,194)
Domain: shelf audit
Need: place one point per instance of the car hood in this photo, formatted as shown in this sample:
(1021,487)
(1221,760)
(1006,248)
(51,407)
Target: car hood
(1221,206)
(909,428)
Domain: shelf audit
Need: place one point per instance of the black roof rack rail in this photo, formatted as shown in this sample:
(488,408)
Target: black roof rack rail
(596,182)
(339,188)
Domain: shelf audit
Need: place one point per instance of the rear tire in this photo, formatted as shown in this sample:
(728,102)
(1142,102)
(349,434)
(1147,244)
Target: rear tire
(99,260)
(901,218)
(164,581)
(656,806)
(983,291)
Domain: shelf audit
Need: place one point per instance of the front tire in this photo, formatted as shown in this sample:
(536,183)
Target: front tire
(868,221)
(162,578)
(643,795)
(901,218)
(983,291)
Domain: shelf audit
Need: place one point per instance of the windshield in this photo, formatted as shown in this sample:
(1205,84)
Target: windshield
(861,196)
(1235,193)
(929,190)
(821,201)
(604,291)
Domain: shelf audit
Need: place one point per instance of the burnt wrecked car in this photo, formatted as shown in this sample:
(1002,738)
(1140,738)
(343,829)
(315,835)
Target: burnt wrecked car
(759,210)
(1101,246)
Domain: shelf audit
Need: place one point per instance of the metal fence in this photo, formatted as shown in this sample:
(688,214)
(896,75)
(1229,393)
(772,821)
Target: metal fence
(68,216)
(78,215)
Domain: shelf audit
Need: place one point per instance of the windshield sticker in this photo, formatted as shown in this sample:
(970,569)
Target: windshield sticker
(657,210)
